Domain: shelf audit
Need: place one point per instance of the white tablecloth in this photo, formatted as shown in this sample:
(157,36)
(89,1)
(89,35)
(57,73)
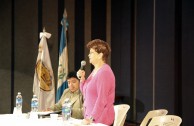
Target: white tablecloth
(22,120)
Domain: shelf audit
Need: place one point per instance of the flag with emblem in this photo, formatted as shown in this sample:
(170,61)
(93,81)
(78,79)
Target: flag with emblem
(63,59)
(44,86)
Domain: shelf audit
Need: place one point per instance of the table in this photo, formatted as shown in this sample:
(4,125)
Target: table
(22,120)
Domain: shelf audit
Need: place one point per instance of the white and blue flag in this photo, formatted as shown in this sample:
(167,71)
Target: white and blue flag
(63,59)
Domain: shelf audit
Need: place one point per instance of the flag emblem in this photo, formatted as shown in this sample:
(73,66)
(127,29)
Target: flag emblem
(44,76)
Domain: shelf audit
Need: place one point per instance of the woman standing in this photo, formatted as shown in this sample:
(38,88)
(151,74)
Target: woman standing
(99,88)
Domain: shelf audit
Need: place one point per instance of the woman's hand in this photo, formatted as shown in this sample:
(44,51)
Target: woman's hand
(81,75)
(86,121)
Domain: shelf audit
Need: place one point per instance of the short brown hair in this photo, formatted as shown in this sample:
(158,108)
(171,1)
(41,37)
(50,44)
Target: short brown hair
(100,46)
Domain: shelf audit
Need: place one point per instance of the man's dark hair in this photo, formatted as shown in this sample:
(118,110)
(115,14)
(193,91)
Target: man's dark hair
(72,74)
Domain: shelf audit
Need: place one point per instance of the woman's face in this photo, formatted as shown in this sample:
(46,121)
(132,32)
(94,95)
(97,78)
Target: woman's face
(73,84)
(94,57)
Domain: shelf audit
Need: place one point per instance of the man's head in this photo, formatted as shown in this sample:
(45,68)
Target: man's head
(73,81)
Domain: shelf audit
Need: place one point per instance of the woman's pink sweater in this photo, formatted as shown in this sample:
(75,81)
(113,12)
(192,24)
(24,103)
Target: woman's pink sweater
(99,95)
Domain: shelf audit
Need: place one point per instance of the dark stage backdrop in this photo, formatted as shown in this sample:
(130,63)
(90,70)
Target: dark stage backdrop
(151,40)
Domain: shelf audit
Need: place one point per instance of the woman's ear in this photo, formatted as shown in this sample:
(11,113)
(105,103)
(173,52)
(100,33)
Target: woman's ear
(100,55)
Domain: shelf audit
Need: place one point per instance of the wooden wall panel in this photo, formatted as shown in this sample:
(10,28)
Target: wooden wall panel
(165,56)
(79,33)
(121,50)
(26,48)
(5,55)
(187,62)
(70,6)
(144,56)
(50,23)
(87,33)
(98,13)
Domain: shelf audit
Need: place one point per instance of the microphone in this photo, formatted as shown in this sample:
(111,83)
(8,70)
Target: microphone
(83,63)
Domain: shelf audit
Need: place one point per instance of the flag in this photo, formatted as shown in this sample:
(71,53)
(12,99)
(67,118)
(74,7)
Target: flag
(63,59)
(44,86)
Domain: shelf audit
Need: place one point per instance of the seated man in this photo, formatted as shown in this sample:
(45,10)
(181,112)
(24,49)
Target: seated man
(75,96)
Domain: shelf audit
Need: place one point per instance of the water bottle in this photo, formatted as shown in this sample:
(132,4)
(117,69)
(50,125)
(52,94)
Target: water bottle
(66,109)
(19,103)
(34,104)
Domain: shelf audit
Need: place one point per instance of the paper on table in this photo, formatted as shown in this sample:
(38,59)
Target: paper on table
(47,113)
(78,122)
